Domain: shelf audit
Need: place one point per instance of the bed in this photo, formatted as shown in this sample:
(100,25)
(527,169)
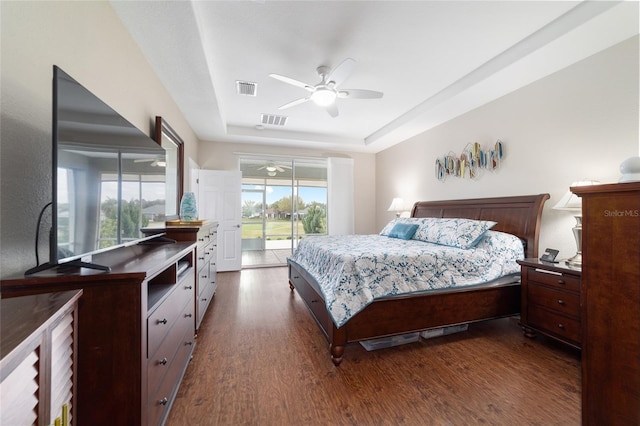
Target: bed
(406,313)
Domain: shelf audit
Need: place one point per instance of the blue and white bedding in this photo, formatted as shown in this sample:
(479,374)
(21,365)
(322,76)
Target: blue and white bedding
(354,270)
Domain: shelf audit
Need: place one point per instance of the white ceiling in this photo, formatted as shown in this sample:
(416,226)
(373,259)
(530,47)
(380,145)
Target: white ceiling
(434,60)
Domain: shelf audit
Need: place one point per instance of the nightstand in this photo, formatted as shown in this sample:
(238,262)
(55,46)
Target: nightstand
(551,301)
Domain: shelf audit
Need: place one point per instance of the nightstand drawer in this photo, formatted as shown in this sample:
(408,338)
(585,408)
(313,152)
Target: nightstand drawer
(555,324)
(553,279)
(560,301)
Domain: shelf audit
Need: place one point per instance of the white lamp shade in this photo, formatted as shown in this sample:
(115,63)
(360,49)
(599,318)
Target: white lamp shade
(630,169)
(571,201)
(397,205)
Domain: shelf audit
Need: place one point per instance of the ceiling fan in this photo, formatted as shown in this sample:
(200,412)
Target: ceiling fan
(326,92)
(155,162)
(272,167)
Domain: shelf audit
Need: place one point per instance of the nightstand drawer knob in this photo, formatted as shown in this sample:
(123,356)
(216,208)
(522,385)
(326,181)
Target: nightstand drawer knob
(560,302)
(560,325)
(561,282)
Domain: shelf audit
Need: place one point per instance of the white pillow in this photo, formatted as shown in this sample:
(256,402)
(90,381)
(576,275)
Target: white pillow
(462,233)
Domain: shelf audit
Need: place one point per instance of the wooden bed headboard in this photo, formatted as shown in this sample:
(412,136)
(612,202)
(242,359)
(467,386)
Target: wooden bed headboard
(519,215)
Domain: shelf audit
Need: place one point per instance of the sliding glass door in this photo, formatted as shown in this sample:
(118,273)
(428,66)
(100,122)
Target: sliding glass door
(282,201)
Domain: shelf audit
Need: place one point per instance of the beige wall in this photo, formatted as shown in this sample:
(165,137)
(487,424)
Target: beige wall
(579,123)
(221,156)
(87,40)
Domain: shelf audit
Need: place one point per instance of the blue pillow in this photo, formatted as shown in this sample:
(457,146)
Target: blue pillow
(404,231)
(408,220)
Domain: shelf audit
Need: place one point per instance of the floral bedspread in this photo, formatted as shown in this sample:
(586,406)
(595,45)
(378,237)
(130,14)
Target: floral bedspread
(353,270)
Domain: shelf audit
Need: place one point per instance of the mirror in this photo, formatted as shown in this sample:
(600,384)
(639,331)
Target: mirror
(174,148)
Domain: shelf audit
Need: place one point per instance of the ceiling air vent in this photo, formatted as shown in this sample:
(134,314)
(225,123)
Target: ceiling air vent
(274,120)
(246,88)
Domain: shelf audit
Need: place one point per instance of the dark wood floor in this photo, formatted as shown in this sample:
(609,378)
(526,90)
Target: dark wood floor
(261,360)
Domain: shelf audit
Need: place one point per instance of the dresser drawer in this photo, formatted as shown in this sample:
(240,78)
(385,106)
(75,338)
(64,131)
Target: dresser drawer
(162,319)
(161,361)
(554,323)
(161,399)
(560,281)
(204,299)
(204,277)
(559,301)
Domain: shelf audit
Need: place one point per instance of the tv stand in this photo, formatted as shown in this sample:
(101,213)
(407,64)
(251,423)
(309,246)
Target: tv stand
(136,329)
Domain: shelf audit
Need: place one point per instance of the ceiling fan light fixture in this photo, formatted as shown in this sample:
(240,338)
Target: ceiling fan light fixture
(271,173)
(271,168)
(324,96)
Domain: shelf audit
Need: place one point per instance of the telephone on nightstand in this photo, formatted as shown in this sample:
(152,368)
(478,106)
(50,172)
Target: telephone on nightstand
(549,255)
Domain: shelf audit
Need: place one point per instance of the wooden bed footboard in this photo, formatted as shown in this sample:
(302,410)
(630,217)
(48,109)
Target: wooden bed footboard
(405,314)
(518,215)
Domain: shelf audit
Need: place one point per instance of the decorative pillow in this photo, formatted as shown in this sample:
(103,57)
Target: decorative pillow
(508,245)
(462,233)
(389,226)
(404,231)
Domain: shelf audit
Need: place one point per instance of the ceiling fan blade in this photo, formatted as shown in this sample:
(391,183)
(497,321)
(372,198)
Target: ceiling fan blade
(341,72)
(292,81)
(280,169)
(332,110)
(296,102)
(359,94)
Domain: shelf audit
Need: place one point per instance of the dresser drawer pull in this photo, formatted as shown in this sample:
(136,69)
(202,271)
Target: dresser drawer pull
(561,326)
(188,287)
(163,361)
(163,401)
(204,277)
(188,343)
(560,302)
(295,277)
(162,321)
(204,300)
(188,315)
(201,258)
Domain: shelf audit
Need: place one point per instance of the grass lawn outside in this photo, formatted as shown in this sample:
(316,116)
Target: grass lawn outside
(276,229)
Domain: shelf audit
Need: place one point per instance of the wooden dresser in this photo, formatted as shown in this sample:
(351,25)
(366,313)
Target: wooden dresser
(611,303)
(135,330)
(206,237)
(551,301)
(38,366)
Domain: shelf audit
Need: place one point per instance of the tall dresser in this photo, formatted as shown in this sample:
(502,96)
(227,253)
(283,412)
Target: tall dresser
(611,303)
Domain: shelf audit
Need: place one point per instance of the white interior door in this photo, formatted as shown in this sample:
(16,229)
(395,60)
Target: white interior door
(220,194)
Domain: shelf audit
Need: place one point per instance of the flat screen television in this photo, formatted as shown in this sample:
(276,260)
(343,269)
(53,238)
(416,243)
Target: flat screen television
(108,178)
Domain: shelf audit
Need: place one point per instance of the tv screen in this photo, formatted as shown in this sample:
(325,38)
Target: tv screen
(109,177)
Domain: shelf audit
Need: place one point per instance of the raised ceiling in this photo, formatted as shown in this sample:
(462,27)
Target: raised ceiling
(434,60)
